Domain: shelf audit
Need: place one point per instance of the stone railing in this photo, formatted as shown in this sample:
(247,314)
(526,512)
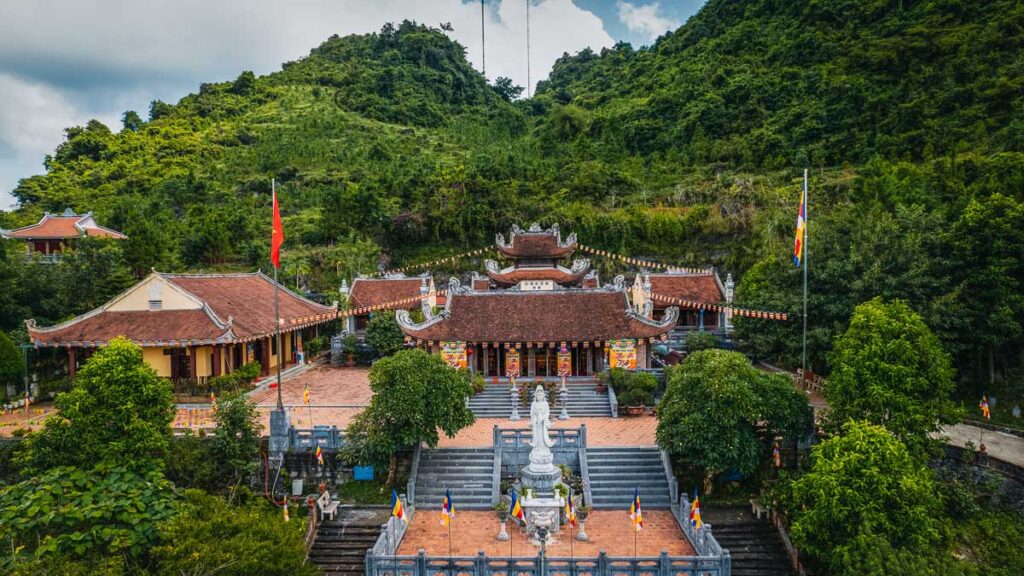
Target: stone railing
(542,565)
(496,472)
(391,534)
(791,551)
(613,402)
(704,543)
(670,475)
(410,486)
(520,438)
(584,467)
(305,439)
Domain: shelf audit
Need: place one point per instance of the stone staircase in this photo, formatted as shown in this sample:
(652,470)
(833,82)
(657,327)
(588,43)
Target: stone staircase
(494,402)
(616,471)
(583,402)
(467,471)
(754,544)
(341,544)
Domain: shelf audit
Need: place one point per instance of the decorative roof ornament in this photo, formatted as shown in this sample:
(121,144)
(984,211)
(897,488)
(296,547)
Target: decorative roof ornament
(343,289)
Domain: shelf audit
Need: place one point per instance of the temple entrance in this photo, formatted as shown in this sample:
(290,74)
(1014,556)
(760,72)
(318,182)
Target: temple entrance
(541,356)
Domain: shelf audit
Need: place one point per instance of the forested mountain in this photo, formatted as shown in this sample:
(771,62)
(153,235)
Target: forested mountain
(390,149)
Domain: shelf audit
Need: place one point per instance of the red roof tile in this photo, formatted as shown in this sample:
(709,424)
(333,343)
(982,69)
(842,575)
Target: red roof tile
(536,243)
(697,287)
(555,316)
(137,326)
(52,227)
(558,275)
(376,291)
(248,299)
(237,306)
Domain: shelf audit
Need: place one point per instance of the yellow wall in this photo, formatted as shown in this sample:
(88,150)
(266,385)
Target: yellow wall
(171,297)
(158,361)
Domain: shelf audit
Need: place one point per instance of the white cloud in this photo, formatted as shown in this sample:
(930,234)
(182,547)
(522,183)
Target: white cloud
(66,61)
(646,20)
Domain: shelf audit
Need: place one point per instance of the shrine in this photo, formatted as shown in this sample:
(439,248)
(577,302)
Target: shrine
(536,317)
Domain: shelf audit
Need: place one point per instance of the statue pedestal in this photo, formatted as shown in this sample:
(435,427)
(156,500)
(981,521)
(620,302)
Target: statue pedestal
(542,512)
(541,478)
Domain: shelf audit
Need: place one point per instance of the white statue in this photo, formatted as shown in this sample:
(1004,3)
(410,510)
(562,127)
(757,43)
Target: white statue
(539,414)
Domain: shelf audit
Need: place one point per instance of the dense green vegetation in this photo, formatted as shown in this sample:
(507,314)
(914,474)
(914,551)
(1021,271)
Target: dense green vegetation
(104,488)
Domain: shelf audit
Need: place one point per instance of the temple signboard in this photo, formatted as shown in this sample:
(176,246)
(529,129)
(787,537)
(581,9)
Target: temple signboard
(512,363)
(622,354)
(454,354)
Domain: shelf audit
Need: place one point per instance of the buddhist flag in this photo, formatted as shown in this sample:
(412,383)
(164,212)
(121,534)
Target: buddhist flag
(695,519)
(984,407)
(570,510)
(397,510)
(776,456)
(801,227)
(213,401)
(447,508)
(276,233)
(286,518)
(305,394)
(636,513)
(319,456)
(515,509)
(28,402)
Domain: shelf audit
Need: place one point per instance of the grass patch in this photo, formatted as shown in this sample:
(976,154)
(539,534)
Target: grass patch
(364,492)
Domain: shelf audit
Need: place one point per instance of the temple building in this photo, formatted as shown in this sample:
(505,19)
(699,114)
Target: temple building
(536,317)
(193,325)
(693,286)
(393,292)
(54,234)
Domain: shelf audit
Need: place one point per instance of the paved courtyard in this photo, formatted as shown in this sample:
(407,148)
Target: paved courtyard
(632,431)
(609,530)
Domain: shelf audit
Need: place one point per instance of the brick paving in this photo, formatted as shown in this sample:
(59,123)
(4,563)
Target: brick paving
(631,431)
(20,420)
(609,530)
(328,386)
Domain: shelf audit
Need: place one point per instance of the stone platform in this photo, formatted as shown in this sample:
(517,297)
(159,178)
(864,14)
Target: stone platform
(610,531)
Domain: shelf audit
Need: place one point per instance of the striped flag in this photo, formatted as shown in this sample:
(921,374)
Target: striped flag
(636,513)
(397,510)
(319,456)
(305,394)
(695,519)
(801,226)
(286,518)
(570,510)
(447,508)
(984,407)
(515,509)
(276,233)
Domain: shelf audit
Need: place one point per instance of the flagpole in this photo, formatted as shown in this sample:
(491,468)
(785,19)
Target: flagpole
(806,253)
(277,317)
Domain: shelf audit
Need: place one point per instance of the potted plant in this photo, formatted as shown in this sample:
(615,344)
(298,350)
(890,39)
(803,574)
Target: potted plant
(582,513)
(501,509)
(602,383)
(638,392)
(349,347)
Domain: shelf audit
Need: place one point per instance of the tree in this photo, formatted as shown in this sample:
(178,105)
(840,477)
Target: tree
(236,439)
(118,411)
(131,121)
(712,407)
(84,513)
(415,394)
(506,88)
(11,364)
(210,536)
(889,369)
(244,84)
(864,491)
(383,333)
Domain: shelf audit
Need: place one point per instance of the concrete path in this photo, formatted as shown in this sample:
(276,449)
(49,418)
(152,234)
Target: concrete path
(999,445)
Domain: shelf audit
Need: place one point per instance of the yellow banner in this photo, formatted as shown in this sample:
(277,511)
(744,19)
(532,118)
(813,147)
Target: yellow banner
(564,362)
(623,354)
(454,354)
(512,363)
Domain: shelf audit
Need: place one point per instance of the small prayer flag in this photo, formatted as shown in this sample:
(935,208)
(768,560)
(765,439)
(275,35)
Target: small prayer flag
(635,512)
(286,518)
(984,407)
(695,519)
(776,456)
(397,510)
(319,456)
(801,226)
(305,394)
(570,510)
(447,508)
(515,509)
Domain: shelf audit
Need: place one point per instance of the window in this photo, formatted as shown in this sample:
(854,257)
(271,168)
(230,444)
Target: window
(273,346)
(156,304)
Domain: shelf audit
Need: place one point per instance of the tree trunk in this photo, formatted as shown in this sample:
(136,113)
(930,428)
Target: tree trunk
(392,471)
(708,484)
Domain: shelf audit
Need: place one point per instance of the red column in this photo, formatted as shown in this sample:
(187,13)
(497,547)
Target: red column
(216,360)
(71,363)
(192,361)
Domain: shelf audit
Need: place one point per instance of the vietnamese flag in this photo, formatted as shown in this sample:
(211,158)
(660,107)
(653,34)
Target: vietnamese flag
(276,233)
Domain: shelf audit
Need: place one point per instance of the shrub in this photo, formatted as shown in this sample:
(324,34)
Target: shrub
(701,341)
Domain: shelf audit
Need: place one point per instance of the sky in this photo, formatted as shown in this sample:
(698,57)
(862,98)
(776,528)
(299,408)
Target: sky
(64,62)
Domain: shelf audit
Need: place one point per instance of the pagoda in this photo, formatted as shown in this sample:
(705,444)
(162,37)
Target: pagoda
(535,255)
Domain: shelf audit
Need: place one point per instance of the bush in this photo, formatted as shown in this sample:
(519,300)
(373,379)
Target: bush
(631,388)
(235,381)
(701,341)
(314,346)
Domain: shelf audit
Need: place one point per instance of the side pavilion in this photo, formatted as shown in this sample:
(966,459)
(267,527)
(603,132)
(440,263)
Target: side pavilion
(193,325)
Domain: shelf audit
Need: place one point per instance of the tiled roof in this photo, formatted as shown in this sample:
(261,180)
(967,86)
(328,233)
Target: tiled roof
(52,227)
(144,326)
(558,274)
(527,245)
(235,307)
(554,316)
(698,287)
(248,299)
(368,292)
